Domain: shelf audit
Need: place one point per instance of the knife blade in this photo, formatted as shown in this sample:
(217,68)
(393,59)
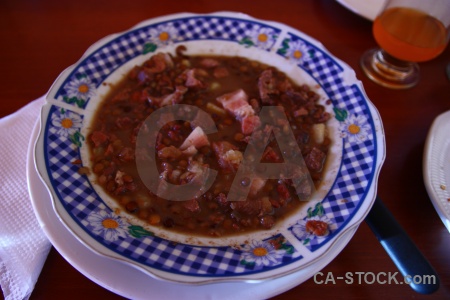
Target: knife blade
(401,249)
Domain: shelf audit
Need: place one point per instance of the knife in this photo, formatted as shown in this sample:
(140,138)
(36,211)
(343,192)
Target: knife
(402,250)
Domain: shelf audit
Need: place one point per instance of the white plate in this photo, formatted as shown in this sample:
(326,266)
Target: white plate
(368,9)
(436,166)
(343,201)
(129,282)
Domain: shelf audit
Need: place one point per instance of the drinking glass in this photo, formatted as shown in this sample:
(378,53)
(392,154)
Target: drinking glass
(407,32)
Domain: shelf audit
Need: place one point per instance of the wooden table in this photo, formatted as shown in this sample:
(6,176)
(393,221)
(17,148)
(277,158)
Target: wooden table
(39,39)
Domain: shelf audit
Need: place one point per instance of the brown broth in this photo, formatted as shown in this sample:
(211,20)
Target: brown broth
(112,142)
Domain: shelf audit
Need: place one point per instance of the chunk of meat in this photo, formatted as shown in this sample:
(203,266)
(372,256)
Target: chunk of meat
(175,97)
(209,63)
(237,103)
(271,87)
(191,80)
(314,159)
(257,185)
(196,138)
(249,124)
(170,99)
(192,205)
(155,65)
(158,63)
(267,86)
(228,155)
(190,151)
(99,138)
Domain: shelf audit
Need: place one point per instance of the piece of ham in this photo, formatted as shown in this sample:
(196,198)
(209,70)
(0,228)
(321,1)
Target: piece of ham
(237,103)
(170,99)
(228,155)
(209,62)
(192,205)
(267,86)
(314,159)
(250,123)
(191,80)
(196,175)
(190,151)
(257,185)
(158,63)
(196,138)
(99,138)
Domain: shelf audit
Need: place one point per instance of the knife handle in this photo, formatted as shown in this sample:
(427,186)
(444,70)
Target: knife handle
(403,252)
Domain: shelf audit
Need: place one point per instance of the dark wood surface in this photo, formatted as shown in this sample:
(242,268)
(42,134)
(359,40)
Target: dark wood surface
(39,39)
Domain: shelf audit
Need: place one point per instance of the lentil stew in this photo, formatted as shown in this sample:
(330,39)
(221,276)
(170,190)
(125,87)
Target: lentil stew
(232,90)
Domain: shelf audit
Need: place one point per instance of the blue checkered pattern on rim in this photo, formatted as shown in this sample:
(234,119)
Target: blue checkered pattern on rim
(79,199)
(105,60)
(217,28)
(194,260)
(74,190)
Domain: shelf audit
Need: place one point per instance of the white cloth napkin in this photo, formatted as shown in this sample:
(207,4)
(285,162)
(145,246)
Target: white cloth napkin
(23,245)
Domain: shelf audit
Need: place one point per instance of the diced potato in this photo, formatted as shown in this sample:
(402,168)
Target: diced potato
(186,62)
(214,109)
(233,156)
(214,86)
(169,152)
(319,132)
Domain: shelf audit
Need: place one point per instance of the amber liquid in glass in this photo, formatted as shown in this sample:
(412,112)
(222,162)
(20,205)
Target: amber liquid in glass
(409,34)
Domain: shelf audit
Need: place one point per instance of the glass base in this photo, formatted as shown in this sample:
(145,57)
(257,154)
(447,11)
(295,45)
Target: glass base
(388,71)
